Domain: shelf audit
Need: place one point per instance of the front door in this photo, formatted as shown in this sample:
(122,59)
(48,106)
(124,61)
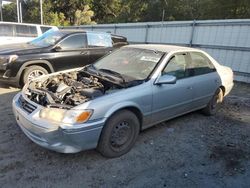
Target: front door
(170,100)
(71,53)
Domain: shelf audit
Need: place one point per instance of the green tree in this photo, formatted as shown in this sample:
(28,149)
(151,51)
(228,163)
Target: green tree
(56,19)
(133,11)
(31,11)
(106,11)
(69,7)
(228,9)
(9,12)
(76,12)
(84,16)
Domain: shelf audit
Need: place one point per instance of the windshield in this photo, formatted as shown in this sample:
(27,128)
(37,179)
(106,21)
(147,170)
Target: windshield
(47,39)
(133,63)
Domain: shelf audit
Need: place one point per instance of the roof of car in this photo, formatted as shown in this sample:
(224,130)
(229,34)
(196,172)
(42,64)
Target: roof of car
(161,47)
(69,31)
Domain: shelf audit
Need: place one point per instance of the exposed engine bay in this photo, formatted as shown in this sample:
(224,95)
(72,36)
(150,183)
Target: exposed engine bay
(66,90)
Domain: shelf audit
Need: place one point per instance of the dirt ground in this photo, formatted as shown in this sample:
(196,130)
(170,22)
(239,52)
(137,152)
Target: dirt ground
(189,151)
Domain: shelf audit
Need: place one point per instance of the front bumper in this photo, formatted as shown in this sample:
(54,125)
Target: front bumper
(50,135)
(5,78)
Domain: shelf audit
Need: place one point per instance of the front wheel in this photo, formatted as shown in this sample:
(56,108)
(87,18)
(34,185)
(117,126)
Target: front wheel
(119,134)
(33,72)
(214,103)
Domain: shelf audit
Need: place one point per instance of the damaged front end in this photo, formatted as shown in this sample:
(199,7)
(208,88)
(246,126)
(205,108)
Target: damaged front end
(66,90)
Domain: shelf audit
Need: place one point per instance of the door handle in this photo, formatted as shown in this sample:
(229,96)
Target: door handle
(84,53)
(189,87)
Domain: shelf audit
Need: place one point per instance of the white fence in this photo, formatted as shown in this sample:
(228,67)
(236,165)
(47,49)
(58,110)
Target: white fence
(228,41)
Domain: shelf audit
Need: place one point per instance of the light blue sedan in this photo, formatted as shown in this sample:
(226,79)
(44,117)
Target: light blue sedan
(105,105)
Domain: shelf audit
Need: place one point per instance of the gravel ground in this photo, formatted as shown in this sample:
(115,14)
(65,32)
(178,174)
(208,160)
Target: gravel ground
(189,151)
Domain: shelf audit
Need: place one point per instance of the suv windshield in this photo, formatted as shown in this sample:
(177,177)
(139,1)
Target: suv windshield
(47,39)
(132,63)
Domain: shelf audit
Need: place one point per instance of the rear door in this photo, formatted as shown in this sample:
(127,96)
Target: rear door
(204,77)
(99,44)
(72,52)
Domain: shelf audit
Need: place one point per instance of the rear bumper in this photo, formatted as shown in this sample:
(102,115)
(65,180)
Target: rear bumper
(52,136)
(228,88)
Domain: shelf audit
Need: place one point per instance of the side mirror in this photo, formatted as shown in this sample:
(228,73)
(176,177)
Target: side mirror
(166,79)
(57,48)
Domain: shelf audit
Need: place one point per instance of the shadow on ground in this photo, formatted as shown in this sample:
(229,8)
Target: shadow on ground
(190,151)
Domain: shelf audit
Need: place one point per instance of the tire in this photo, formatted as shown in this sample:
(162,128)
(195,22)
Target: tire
(35,70)
(119,134)
(213,105)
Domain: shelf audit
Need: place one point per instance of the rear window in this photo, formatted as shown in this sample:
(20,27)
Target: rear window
(6,30)
(44,29)
(200,64)
(26,31)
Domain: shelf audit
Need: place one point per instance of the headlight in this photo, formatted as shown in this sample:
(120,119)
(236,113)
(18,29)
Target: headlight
(8,58)
(70,117)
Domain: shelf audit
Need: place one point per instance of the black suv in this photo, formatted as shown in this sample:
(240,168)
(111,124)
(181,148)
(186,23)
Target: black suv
(54,51)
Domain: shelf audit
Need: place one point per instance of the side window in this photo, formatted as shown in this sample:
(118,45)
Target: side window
(44,28)
(76,41)
(26,31)
(99,40)
(33,31)
(177,66)
(200,64)
(6,30)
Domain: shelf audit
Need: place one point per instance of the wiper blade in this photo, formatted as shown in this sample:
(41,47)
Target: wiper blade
(91,69)
(114,73)
(90,66)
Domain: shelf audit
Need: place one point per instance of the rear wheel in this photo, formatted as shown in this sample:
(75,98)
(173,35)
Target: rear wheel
(119,134)
(214,103)
(33,72)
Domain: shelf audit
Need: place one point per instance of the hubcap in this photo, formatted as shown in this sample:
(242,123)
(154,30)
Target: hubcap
(120,134)
(35,74)
(215,101)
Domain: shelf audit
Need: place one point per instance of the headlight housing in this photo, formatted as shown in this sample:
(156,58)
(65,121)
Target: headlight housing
(6,59)
(69,117)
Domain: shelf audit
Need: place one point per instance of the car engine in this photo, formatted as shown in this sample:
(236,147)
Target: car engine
(65,90)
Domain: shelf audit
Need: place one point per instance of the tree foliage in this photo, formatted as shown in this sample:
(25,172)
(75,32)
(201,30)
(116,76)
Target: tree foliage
(57,19)
(84,16)
(9,12)
(77,12)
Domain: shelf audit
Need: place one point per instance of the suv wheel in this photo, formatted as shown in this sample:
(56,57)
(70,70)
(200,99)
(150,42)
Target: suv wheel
(119,134)
(33,72)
